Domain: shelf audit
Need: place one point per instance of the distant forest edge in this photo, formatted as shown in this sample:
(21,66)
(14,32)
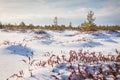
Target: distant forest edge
(87,25)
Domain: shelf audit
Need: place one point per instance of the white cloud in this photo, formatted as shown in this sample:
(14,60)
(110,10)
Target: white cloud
(76,10)
(109,8)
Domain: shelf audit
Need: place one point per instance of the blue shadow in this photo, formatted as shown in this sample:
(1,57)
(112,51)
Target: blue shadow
(20,50)
(101,36)
(91,44)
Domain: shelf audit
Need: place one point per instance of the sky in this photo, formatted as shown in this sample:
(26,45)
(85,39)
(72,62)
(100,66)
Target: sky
(42,12)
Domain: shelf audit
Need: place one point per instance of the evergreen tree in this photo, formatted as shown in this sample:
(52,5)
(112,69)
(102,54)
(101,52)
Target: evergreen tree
(55,21)
(1,25)
(70,24)
(22,25)
(89,24)
(90,19)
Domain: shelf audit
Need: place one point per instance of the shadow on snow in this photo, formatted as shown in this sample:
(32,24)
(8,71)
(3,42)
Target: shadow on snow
(20,50)
(91,44)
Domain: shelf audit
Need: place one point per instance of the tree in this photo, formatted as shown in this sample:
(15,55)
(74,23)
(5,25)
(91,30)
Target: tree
(90,18)
(85,26)
(89,24)
(55,21)
(0,25)
(70,24)
(22,24)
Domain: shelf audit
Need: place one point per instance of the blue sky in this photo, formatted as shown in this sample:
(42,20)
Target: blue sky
(42,12)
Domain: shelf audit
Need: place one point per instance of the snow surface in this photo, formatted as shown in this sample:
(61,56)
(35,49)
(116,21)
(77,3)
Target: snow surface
(16,45)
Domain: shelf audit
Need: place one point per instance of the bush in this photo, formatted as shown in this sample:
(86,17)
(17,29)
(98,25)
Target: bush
(40,32)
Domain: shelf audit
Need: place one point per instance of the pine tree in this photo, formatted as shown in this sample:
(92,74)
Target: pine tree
(55,21)
(89,24)
(1,25)
(90,19)
(70,24)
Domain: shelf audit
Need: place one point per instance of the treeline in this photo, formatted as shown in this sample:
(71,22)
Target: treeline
(88,25)
(22,25)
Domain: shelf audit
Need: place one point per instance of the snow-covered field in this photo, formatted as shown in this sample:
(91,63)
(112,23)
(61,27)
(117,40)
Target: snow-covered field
(51,55)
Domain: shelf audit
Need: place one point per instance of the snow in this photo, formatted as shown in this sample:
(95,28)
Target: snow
(16,46)
(20,50)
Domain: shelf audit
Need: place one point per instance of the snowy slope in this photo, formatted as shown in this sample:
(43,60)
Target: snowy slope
(16,45)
